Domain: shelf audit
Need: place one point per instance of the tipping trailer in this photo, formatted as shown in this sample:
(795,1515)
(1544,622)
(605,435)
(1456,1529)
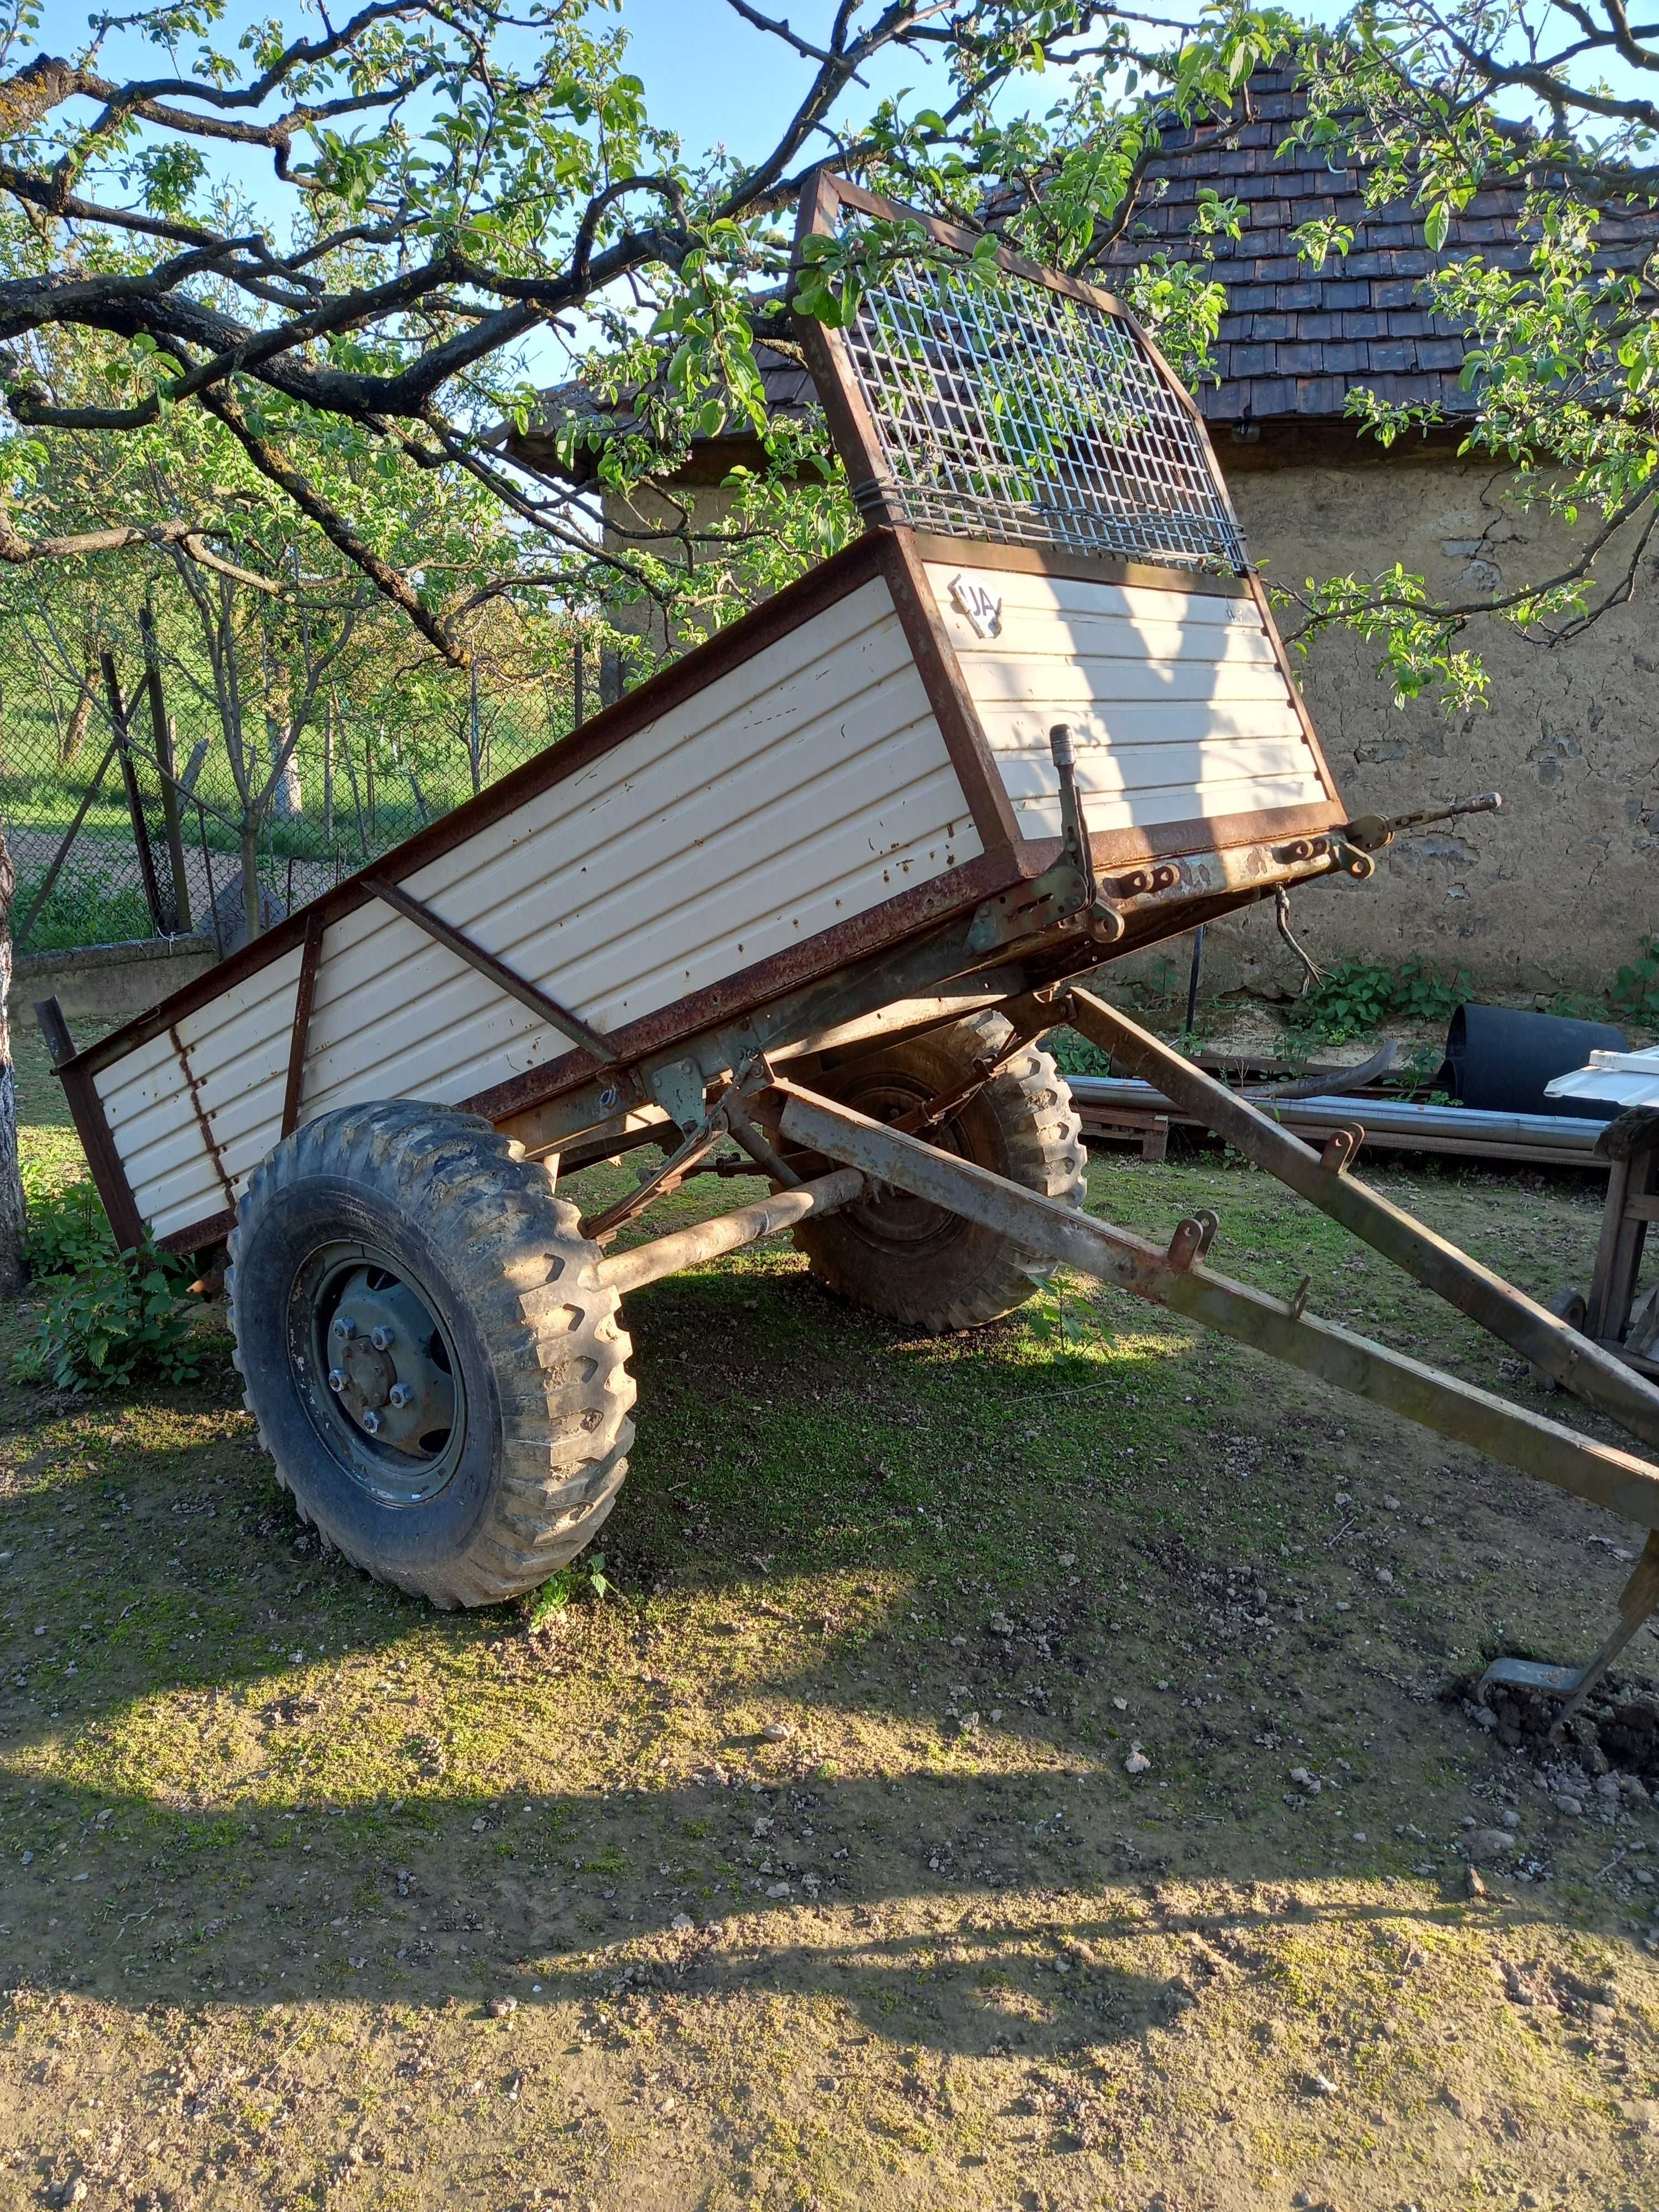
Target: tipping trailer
(804,904)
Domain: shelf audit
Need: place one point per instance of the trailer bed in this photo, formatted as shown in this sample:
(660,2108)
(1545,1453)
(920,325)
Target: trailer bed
(863,756)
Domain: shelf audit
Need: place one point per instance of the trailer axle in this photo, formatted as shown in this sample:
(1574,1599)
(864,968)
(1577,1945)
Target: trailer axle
(730,1232)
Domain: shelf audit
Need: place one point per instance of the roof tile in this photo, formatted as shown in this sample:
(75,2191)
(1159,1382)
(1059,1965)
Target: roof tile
(1295,338)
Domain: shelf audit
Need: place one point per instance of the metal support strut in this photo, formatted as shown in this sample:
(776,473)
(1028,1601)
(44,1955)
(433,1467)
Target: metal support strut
(1572,1685)
(1581,1366)
(1176,1278)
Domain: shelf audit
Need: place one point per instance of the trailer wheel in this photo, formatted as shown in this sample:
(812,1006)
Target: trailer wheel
(912,1260)
(428,1353)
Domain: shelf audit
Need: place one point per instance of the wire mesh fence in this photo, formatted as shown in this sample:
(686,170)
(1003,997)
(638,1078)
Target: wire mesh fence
(124,823)
(1003,409)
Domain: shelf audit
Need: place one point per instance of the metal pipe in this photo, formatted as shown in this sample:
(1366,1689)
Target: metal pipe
(1574,1139)
(730,1232)
(1174,1278)
(1595,1376)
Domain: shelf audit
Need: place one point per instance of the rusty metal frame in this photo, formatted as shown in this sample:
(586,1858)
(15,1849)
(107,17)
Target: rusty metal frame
(108,1170)
(851,426)
(193,1085)
(304,991)
(497,971)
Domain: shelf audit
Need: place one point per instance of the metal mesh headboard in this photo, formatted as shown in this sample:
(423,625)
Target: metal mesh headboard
(1002,408)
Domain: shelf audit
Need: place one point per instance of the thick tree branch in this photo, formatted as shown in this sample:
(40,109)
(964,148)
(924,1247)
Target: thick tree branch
(20,552)
(388,579)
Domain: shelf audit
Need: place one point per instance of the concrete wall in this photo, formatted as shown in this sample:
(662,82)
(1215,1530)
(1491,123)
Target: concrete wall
(1560,889)
(108,981)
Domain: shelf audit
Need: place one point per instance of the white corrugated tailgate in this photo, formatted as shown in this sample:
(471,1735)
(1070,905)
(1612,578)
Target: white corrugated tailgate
(1177,708)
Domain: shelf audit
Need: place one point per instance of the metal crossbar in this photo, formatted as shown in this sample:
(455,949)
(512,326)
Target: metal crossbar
(1005,410)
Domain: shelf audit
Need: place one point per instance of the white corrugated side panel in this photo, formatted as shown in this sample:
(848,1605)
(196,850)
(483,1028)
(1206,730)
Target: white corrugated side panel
(1177,709)
(799,790)
(236,1048)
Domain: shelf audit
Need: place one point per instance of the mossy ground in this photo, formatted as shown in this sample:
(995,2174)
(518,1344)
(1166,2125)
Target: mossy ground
(275,1840)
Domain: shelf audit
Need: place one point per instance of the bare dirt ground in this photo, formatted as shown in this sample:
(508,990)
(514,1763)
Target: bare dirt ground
(808,1868)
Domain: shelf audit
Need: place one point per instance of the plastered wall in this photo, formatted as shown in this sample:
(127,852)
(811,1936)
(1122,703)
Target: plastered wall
(1558,890)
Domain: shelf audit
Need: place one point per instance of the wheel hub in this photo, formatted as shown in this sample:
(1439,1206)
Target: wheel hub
(897,1217)
(387,1369)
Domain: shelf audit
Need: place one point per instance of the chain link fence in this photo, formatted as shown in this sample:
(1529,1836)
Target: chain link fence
(124,817)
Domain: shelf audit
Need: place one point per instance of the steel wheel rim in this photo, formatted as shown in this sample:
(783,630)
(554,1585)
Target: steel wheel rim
(895,1222)
(329,1285)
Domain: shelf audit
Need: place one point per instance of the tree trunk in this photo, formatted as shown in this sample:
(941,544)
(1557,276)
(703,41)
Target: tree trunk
(13,1272)
(251,880)
(80,715)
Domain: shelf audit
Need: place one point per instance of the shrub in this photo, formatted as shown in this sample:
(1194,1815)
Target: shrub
(584,1577)
(1636,988)
(1075,1055)
(1422,993)
(68,1228)
(110,1317)
(93,911)
(1357,997)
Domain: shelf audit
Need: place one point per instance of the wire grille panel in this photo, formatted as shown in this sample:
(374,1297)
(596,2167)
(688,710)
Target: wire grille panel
(1006,411)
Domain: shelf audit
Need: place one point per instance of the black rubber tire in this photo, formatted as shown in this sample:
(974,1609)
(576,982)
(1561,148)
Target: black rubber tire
(532,1332)
(912,1260)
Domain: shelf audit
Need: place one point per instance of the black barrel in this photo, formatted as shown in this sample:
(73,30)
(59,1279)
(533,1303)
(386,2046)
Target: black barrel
(1500,1061)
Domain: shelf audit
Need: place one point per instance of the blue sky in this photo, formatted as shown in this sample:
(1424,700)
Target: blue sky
(711,77)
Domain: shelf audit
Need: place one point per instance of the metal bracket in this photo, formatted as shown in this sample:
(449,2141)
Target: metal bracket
(1340,1146)
(1572,1685)
(1192,1238)
(677,1086)
(1057,899)
(1067,891)
(664,1179)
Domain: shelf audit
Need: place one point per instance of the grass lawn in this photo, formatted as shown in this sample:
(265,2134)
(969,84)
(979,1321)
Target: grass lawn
(805,1869)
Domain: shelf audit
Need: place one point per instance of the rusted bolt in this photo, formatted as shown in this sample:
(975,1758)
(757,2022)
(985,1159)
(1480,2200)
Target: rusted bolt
(1299,1301)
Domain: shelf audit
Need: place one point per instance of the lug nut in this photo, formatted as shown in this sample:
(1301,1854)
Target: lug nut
(381,1339)
(336,1378)
(344,1328)
(372,1421)
(401,1395)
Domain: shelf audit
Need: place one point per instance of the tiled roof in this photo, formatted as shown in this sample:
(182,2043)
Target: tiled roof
(1294,341)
